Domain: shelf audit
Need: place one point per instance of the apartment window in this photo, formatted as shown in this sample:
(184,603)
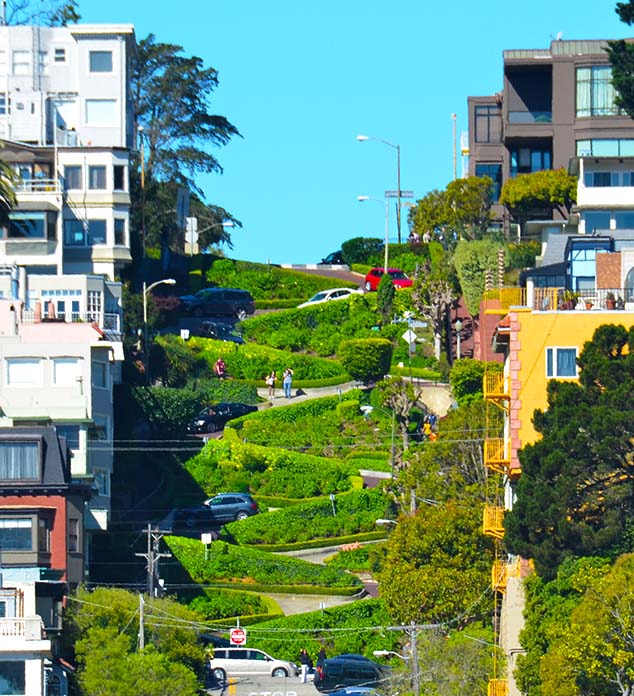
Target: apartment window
(59,56)
(119,177)
(601,179)
(16,534)
(66,372)
(84,232)
(43,535)
(69,431)
(73,535)
(99,375)
(119,231)
(493,171)
(525,160)
(3,62)
(595,93)
(100,112)
(19,461)
(93,305)
(24,372)
(27,225)
(13,676)
(100,61)
(21,62)
(596,220)
(488,124)
(561,362)
(96,232)
(102,481)
(4,105)
(73,177)
(96,177)
(624,220)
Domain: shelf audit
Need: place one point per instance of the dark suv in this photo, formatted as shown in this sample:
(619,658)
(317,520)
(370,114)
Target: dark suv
(350,670)
(219,331)
(215,512)
(231,302)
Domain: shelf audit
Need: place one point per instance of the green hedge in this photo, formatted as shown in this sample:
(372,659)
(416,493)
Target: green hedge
(319,543)
(233,564)
(271,282)
(278,304)
(366,359)
(417,372)
(354,560)
(221,604)
(356,512)
(230,464)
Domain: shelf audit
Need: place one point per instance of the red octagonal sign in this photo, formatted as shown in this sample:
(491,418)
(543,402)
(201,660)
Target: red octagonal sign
(238,636)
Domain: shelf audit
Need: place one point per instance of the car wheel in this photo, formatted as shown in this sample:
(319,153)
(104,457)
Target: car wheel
(190,522)
(241,313)
(211,427)
(242,515)
(219,674)
(279,672)
(368,286)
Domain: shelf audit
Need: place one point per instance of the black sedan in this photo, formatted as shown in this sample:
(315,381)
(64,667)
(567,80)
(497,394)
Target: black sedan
(213,418)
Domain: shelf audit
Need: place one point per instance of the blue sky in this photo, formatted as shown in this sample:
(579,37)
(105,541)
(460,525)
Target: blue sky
(301,80)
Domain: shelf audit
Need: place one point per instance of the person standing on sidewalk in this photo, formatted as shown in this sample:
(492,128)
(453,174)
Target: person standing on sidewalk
(305,663)
(270,383)
(287,382)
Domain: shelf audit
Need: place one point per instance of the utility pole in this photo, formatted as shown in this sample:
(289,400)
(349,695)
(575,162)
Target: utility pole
(413,634)
(152,557)
(141,622)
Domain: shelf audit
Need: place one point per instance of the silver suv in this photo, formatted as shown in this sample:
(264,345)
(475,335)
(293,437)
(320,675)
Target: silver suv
(228,662)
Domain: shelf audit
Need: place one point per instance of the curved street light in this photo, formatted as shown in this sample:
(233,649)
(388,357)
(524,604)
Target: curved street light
(361,199)
(146,290)
(362,138)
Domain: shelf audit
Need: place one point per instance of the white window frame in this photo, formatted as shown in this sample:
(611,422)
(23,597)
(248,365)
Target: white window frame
(59,55)
(553,350)
(24,372)
(23,60)
(66,371)
(100,112)
(101,53)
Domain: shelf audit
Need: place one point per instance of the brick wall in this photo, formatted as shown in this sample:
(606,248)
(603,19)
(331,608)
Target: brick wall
(609,270)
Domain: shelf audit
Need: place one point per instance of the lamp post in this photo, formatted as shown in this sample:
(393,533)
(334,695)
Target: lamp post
(146,290)
(362,138)
(387,225)
(411,658)
(191,230)
(458,327)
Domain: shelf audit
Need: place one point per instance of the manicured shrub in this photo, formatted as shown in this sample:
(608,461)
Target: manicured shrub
(361,250)
(356,511)
(366,359)
(227,564)
(222,604)
(352,559)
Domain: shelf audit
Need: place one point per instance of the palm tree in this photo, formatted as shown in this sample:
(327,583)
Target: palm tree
(7,191)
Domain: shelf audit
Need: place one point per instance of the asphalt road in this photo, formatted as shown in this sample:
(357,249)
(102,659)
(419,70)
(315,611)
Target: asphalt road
(265,686)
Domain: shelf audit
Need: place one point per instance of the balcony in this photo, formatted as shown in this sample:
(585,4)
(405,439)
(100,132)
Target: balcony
(493,521)
(496,386)
(26,628)
(497,457)
(37,186)
(499,575)
(530,117)
(497,687)
(109,323)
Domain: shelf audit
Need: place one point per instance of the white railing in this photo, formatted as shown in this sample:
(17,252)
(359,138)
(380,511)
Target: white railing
(27,628)
(38,186)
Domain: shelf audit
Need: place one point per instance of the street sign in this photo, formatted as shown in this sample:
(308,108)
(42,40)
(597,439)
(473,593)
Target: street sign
(409,336)
(404,194)
(238,636)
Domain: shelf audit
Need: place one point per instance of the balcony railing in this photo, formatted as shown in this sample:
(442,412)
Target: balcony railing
(493,521)
(496,386)
(27,628)
(108,322)
(497,687)
(530,116)
(496,455)
(38,186)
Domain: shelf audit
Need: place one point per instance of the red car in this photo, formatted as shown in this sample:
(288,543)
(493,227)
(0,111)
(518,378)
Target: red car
(399,279)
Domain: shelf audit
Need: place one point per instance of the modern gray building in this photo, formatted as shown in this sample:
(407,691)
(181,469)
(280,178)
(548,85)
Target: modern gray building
(555,104)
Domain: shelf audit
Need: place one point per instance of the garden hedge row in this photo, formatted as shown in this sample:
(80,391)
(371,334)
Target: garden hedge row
(319,543)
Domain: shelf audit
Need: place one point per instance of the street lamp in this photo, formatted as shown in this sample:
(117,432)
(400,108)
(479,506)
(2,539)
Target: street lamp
(193,230)
(362,138)
(387,653)
(458,327)
(384,522)
(406,658)
(387,225)
(146,290)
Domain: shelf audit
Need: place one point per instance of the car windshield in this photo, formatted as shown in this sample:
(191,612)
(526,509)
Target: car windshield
(397,274)
(319,296)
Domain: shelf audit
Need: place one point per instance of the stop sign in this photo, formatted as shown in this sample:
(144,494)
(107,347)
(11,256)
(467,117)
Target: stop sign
(238,636)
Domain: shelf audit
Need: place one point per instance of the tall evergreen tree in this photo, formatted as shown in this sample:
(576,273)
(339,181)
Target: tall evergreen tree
(576,493)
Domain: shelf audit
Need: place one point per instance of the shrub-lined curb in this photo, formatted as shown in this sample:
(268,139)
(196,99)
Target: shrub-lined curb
(318,543)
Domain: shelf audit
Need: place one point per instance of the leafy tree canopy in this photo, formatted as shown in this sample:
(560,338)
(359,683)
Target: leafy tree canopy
(42,12)
(171,95)
(576,495)
(472,260)
(466,378)
(539,193)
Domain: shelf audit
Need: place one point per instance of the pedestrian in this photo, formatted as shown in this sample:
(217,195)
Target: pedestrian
(270,383)
(306,663)
(220,368)
(321,657)
(287,382)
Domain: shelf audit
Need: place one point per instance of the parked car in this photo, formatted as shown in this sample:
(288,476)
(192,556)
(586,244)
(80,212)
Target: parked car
(327,295)
(227,507)
(195,517)
(219,301)
(399,278)
(356,691)
(214,418)
(219,331)
(335,258)
(229,662)
(350,670)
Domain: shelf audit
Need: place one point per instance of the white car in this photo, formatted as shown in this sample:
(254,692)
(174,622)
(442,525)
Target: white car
(228,662)
(327,295)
